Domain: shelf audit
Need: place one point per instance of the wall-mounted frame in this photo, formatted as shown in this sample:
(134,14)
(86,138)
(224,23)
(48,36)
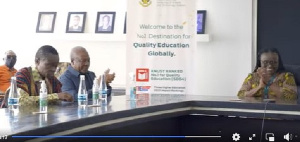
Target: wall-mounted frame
(105,22)
(201,15)
(76,22)
(124,31)
(46,21)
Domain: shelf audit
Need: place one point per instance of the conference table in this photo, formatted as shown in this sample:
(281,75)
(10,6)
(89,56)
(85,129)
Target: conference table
(157,117)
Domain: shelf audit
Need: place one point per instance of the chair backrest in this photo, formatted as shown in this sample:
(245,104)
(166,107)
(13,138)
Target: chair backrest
(5,99)
(295,69)
(61,68)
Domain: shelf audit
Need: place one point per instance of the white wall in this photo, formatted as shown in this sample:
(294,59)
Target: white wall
(223,62)
(19,20)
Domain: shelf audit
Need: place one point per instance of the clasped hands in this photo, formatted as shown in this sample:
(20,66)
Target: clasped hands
(264,76)
(108,77)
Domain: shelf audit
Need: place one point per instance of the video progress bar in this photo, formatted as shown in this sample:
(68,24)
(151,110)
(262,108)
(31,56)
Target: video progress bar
(116,136)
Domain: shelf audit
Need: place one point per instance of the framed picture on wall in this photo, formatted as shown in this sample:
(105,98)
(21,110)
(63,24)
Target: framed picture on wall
(201,14)
(105,22)
(46,21)
(76,22)
(124,31)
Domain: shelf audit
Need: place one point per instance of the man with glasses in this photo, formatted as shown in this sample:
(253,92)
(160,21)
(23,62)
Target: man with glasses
(7,70)
(80,63)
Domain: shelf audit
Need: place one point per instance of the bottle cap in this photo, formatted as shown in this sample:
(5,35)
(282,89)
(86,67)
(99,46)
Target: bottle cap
(43,85)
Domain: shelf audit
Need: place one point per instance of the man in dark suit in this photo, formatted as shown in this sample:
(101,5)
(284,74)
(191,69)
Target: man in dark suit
(80,63)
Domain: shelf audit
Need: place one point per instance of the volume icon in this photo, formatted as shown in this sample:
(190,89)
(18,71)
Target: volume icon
(288,136)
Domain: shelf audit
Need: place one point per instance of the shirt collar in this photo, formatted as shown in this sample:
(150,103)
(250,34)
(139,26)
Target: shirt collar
(8,68)
(75,72)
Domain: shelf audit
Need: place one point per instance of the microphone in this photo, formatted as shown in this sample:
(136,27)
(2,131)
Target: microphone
(263,121)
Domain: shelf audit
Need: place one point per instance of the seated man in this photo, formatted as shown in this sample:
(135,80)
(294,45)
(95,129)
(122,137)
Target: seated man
(80,63)
(28,78)
(7,71)
(269,78)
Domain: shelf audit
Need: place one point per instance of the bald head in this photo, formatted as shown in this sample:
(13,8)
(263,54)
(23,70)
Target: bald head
(80,59)
(9,52)
(10,58)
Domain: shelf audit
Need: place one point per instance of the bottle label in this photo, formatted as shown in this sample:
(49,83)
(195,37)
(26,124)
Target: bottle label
(81,97)
(103,91)
(13,101)
(95,96)
(43,102)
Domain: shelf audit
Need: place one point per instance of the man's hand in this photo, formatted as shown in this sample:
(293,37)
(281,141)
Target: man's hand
(108,77)
(65,97)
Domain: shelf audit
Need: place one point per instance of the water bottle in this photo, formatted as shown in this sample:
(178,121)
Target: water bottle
(82,92)
(132,88)
(96,92)
(103,89)
(13,98)
(43,97)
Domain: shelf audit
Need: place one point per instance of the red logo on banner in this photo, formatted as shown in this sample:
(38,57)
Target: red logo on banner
(142,75)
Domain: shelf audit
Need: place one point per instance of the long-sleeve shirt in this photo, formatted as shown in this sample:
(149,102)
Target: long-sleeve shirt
(28,82)
(284,81)
(70,80)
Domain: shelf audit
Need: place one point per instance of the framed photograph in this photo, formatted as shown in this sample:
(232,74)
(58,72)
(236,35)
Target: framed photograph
(124,31)
(201,14)
(105,22)
(46,22)
(76,22)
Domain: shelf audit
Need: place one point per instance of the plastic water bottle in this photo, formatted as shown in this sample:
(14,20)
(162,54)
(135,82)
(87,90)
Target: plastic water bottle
(13,98)
(43,97)
(103,89)
(82,92)
(96,92)
(132,87)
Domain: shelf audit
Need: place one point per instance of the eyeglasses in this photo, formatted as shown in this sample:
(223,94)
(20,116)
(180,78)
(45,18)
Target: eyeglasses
(265,62)
(83,61)
(11,56)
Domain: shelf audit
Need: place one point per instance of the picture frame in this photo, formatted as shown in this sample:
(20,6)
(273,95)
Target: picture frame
(105,22)
(124,31)
(201,16)
(76,22)
(46,22)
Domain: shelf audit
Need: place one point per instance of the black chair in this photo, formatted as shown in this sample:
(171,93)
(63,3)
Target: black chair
(295,69)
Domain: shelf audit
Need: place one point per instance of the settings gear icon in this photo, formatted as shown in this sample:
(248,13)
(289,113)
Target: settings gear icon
(236,137)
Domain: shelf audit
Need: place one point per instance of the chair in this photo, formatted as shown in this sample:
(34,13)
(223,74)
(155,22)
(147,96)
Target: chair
(295,69)
(5,99)
(61,68)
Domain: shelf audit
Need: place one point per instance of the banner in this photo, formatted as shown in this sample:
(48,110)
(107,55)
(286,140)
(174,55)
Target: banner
(161,45)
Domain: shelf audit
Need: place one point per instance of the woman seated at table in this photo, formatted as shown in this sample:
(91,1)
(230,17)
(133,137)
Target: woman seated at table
(269,79)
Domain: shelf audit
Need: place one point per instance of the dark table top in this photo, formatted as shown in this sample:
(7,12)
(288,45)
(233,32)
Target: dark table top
(68,115)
